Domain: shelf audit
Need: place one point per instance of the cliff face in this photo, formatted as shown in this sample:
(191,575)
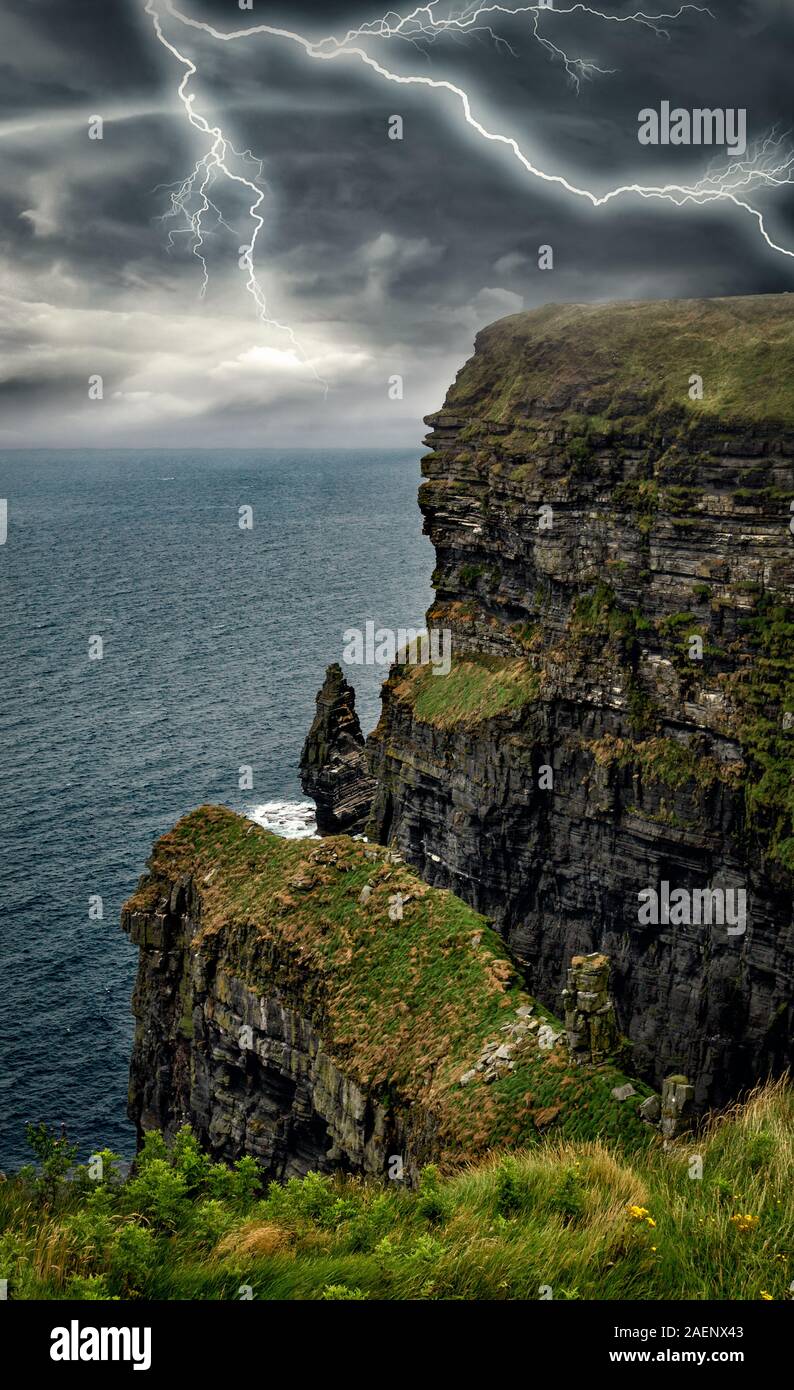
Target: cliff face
(318,1007)
(615,563)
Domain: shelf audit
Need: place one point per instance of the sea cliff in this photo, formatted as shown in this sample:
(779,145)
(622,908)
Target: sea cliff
(614,559)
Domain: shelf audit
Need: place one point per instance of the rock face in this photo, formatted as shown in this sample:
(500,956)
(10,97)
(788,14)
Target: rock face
(616,566)
(333,765)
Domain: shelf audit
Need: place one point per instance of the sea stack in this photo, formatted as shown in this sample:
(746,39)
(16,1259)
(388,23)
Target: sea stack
(333,765)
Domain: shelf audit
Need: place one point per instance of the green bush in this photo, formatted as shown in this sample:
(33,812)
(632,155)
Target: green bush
(133,1257)
(760,1151)
(508,1192)
(431,1204)
(160,1193)
(567,1197)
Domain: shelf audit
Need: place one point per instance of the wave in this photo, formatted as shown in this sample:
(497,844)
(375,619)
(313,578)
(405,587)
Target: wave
(293,820)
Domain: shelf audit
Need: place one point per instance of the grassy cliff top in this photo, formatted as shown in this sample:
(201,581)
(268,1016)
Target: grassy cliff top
(406,1007)
(605,354)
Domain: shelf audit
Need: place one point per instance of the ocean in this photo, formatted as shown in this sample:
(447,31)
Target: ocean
(214,642)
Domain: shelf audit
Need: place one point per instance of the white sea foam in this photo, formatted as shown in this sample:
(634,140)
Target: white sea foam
(294,820)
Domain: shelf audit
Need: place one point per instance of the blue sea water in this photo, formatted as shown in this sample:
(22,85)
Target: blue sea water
(215,643)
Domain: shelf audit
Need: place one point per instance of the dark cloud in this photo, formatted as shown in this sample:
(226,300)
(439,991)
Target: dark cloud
(383,256)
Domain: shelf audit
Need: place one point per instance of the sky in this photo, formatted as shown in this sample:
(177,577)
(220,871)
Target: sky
(377,258)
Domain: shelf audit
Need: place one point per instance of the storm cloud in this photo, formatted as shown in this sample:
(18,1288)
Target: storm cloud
(379,257)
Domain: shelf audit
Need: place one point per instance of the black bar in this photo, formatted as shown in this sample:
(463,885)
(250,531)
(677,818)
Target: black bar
(228,1339)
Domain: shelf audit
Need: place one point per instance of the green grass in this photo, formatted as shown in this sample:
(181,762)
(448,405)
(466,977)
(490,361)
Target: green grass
(612,354)
(475,689)
(404,1008)
(580,1218)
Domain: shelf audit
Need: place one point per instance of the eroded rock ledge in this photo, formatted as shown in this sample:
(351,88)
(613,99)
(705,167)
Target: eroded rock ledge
(317,1006)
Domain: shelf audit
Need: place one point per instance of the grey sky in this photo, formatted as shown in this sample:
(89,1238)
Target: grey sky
(382,257)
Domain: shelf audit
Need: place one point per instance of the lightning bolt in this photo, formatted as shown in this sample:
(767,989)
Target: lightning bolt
(223,159)
(768,164)
(425,24)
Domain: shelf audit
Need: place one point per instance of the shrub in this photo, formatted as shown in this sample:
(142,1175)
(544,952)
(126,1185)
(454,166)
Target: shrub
(430,1202)
(508,1194)
(55,1156)
(89,1288)
(211,1221)
(299,1202)
(340,1292)
(160,1193)
(188,1159)
(567,1197)
(133,1257)
(760,1150)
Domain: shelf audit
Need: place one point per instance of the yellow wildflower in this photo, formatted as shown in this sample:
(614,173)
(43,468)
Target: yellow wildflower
(744,1221)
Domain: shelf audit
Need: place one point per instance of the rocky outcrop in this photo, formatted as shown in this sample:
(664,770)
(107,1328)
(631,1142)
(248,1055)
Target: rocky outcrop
(589,1012)
(248,1072)
(676,1106)
(285,1010)
(333,765)
(616,566)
